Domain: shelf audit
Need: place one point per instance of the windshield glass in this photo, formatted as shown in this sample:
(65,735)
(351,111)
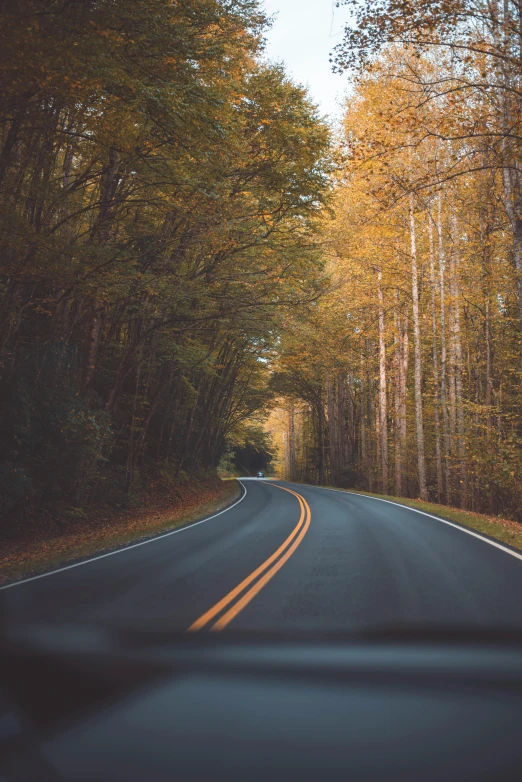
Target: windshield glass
(260,347)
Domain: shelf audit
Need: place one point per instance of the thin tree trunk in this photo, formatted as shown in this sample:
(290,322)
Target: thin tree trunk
(345,418)
(457,342)
(92,348)
(332,430)
(419,425)
(320,441)
(377,411)
(370,413)
(363,420)
(401,381)
(291,441)
(397,449)
(513,207)
(383,402)
(12,136)
(443,353)
(489,380)
(436,388)
(403,421)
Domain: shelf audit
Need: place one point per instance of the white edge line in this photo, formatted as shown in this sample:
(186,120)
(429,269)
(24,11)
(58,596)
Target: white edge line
(430,516)
(126,548)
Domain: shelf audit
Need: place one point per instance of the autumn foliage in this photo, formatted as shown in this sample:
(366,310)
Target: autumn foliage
(159,189)
(180,241)
(406,378)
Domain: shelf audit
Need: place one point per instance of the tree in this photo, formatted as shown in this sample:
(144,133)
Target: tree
(160,189)
(422,308)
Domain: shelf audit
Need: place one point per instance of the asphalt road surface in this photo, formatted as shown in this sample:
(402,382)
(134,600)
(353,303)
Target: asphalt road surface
(288,557)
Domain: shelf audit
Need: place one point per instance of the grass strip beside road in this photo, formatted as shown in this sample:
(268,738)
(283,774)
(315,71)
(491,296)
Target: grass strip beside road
(23,559)
(503,530)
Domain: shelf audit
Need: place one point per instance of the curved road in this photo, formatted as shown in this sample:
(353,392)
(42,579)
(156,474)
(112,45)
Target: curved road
(288,557)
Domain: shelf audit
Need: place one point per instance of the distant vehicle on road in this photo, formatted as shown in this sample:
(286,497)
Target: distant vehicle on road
(260,474)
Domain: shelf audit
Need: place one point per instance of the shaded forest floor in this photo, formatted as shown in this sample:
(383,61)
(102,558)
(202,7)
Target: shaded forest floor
(495,527)
(40,547)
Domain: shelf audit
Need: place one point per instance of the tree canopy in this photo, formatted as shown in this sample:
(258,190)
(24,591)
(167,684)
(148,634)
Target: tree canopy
(160,189)
(406,378)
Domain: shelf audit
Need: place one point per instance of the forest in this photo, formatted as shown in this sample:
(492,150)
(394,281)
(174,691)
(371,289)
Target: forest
(188,250)
(161,187)
(406,380)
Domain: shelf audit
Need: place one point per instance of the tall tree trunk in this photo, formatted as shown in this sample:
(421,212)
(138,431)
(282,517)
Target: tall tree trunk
(513,205)
(511,174)
(401,384)
(291,442)
(345,417)
(320,442)
(370,351)
(12,136)
(443,352)
(403,421)
(362,413)
(488,398)
(109,182)
(457,342)
(93,340)
(332,430)
(397,449)
(436,388)
(383,402)
(419,424)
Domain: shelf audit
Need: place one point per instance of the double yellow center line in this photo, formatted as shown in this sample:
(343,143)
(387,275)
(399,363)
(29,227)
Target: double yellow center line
(259,578)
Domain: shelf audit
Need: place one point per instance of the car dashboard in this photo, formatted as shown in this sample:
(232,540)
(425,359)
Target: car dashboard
(85,703)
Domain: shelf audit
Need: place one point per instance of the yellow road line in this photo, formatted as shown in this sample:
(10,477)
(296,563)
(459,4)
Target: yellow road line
(289,546)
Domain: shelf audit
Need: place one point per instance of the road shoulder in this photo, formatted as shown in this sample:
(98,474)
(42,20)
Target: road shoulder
(21,560)
(498,529)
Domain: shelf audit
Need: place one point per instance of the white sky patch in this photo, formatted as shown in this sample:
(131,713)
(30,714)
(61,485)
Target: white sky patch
(302,37)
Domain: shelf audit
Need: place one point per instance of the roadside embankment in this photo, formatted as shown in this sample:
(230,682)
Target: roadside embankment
(42,549)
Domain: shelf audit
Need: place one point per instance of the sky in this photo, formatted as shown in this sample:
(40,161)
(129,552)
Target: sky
(303,34)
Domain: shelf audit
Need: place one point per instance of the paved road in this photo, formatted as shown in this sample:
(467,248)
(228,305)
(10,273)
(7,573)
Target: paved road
(287,557)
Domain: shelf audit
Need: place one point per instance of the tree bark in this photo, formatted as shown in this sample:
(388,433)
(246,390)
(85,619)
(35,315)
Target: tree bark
(457,342)
(92,348)
(383,402)
(401,381)
(419,424)
(443,352)
(362,413)
(436,385)
(291,442)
